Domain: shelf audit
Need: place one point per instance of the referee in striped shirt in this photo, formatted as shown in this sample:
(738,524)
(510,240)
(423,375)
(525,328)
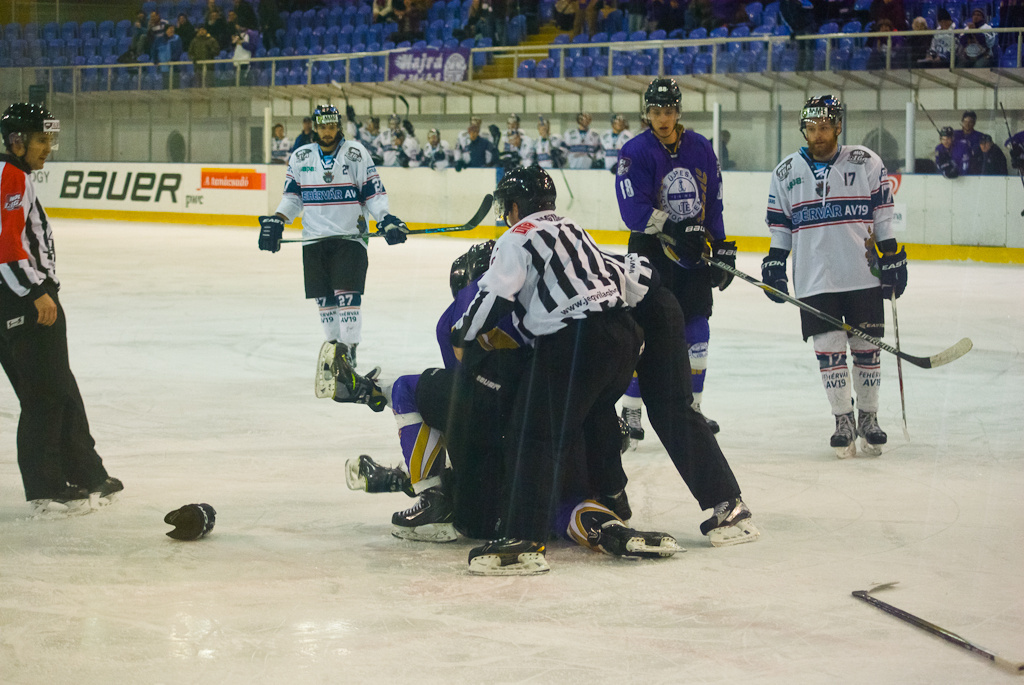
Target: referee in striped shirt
(566,297)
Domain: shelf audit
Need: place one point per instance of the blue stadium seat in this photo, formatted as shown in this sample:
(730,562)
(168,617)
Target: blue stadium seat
(744,62)
(725,62)
(87,30)
(1009,58)
(12,31)
(638,36)
(642,65)
(681,64)
(526,69)
(852,27)
(31,31)
(599,37)
(546,68)
(69,30)
(754,13)
(701,63)
(600,66)
(123,29)
(581,39)
(787,60)
(51,31)
(859,59)
(581,66)
(738,32)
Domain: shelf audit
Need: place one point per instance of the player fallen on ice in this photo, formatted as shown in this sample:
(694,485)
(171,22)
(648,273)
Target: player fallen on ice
(830,206)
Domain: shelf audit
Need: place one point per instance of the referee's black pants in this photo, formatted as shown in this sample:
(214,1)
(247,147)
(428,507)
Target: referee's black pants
(569,390)
(55,447)
(665,385)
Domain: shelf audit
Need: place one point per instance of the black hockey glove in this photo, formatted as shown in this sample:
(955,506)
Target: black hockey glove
(893,273)
(271,230)
(394,229)
(690,241)
(403,159)
(495,134)
(459,165)
(509,160)
(773,273)
(350,113)
(1017,156)
(944,162)
(723,251)
(439,155)
(598,163)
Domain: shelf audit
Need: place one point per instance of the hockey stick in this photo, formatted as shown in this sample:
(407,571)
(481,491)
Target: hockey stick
(1010,666)
(485,207)
(930,118)
(899,366)
(1009,134)
(946,356)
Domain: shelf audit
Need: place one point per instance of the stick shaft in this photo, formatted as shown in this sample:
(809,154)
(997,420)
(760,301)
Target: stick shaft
(899,366)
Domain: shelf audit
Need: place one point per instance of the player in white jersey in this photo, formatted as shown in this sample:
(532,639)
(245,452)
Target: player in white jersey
(334,185)
(514,127)
(387,142)
(437,153)
(613,140)
(548,150)
(827,203)
(583,146)
(410,153)
(515,151)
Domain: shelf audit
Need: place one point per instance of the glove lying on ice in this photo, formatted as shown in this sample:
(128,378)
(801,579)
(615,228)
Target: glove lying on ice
(191,521)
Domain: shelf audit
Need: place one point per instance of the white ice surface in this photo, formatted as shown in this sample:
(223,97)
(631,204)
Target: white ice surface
(195,352)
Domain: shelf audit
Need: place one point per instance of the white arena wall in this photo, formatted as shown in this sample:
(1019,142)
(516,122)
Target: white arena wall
(967,218)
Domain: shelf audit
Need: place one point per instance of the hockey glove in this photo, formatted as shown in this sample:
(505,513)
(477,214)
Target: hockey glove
(407,125)
(350,113)
(598,163)
(459,165)
(690,241)
(394,229)
(191,521)
(271,230)
(773,273)
(495,134)
(723,251)
(893,273)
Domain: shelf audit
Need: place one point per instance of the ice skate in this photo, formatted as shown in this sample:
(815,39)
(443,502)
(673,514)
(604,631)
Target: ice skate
(712,424)
(632,419)
(367,475)
(105,493)
(871,436)
(429,520)
(326,370)
(336,379)
(618,540)
(74,501)
(731,524)
(619,504)
(508,557)
(844,439)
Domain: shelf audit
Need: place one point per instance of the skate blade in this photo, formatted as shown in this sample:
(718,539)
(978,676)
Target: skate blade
(846,452)
(98,502)
(638,547)
(529,564)
(352,478)
(431,532)
(740,532)
(54,511)
(325,382)
(869,450)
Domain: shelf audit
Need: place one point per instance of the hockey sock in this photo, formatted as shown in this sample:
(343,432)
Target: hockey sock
(341,318)
(830,349)
(698,333)
(631,399)
(867,373)
(422,446)
(582,523)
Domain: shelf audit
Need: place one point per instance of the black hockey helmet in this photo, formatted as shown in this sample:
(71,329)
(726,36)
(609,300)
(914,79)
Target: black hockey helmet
(326,114)
(530,188)
(663,92)
(946,132)
(24,118)
(824,107)
(470,266)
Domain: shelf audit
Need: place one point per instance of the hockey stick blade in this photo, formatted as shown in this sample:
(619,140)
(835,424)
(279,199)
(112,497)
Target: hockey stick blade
(951,637)
(482,212)
(946,356)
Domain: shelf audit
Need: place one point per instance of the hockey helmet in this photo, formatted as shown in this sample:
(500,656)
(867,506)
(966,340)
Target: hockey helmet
(470,266)
(513,122)
(824,107)
(541,121)
(946,132)
(584,119)
(530,188)
(662,92)
(433,136)
(25,118)
(394,122)
(326,114)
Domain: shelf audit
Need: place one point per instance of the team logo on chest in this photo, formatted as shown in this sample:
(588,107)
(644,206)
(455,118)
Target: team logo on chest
(680,194)
(328,176)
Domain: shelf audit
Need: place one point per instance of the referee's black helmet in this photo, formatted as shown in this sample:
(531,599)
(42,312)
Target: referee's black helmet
(530,188)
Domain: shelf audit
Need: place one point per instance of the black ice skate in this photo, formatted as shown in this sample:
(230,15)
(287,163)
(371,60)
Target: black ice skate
(367,475)
(712,424)
(844,439)
(336,379)
(73,501)
(105,493)
(871,436)
(632,419)
(731,524)
(618,540)
(619,504)
(429,520)
(508,557)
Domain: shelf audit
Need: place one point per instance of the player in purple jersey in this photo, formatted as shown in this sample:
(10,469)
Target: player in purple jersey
(1016,145)
(668,180)
(952,156)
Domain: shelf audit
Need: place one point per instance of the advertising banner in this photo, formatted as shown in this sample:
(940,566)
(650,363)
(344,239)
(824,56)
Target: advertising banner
(429,65)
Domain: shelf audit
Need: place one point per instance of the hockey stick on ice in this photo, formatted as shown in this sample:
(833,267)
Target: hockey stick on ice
(485,207)
(946,356)
(1009,134)
(899,366)
(1013,667)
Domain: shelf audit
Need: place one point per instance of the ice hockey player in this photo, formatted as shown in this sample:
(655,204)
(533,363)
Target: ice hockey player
(387,142)
(582,145)
(1016,145)
(515,127)
(335,186)
(410,155)
(61,472)
(668,181)
(828,202)
(613,140)
(548,150)
(437,153)
(952,157)
(514,152)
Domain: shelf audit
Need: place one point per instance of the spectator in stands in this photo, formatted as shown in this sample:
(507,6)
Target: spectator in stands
(307,136)
(139,34)
(409,20)
(667,15)
(479,23)
(727,13)
(218,28)
(636,13)
(941,45)
(167,48)
(993,161)
(1011,14)
(800,22)
(244,41)
(280,146)
(156,28)
(384,10)
(891,10)
(246,15)
(204,46)
(185,31)
(270,22)
(917,46)
(211,7)
(565,13)
(699,14)
(881,46)
(586,18)
(975,50)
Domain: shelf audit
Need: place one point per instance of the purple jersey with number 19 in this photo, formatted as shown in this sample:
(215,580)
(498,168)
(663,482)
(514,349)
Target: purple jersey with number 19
(654,184)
